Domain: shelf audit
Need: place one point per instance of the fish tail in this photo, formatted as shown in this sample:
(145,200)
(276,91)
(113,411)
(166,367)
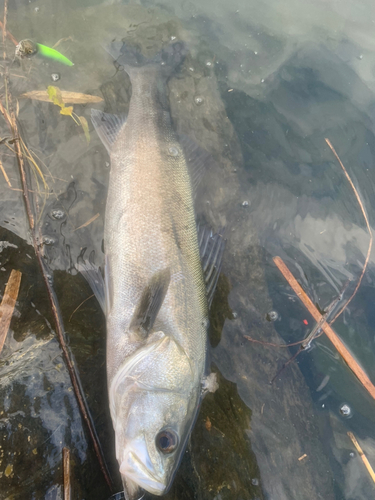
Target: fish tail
(130,57)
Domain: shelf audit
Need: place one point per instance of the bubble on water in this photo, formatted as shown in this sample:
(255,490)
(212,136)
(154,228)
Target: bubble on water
(198,100)
(272,316)
(37,9)
(209,63)
(48,240)
(351,454)
(55,77)
(235,315)
(262,80)
(191,68)
(173,151)
(345,410)
(255,481)
(49,279)
(173,38)
(58,214)
(245,203)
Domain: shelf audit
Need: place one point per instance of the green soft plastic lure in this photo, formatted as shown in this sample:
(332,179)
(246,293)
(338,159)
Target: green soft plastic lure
(28,48)
(53,54)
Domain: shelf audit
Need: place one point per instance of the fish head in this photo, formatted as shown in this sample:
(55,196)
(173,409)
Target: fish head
(152,438)
(154,417)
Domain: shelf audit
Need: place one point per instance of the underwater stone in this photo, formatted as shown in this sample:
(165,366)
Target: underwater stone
(272,316)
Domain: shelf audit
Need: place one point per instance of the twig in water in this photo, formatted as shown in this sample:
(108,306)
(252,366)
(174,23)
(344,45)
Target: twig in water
(367,224)
(8,34)
(66,474)
(314,332)
(322,321)
(10,118)
(271,344)
(81,304)
(8,303)
(94,217)
(333,337)
(5,174)
(363,456)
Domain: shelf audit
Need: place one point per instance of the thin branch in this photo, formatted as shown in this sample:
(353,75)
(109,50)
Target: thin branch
(8,34)
(363,456)
(12,123)
(333,337)
(81,304)
(367,224)
(5,174)
(94,217)
(4,28)
(66,474)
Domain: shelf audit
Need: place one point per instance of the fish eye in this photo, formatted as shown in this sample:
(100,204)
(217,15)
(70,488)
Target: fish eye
(167,441)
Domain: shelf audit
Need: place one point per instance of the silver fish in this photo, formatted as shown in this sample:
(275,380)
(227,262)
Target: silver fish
(156,299)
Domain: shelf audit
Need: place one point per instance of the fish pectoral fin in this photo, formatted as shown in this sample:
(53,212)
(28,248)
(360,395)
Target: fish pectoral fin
(94,278)
(107,126)
(150,303)
(211,249)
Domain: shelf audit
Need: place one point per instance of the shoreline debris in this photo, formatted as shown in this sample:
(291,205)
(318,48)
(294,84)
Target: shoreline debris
(362,455)
(8,303)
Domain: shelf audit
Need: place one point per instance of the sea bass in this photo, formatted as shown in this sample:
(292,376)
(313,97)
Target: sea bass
(156,290)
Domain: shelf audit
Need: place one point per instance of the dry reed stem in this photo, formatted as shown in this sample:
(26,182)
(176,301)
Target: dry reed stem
(80,305)
(5,174)
(367,224)
(88,222)
(4,28)
(60,331)
(8,303)
(66,474)
(363,456)
(333,337)
(9,35)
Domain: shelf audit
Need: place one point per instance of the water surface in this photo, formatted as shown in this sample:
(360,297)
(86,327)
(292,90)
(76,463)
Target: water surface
(262,88)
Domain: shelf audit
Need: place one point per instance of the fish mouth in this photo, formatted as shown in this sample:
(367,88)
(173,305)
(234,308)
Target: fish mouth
(134,469)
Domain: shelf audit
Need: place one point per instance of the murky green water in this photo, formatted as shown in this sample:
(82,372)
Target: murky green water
(262,88)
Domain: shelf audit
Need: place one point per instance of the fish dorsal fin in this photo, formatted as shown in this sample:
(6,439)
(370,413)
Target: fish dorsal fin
(94,278)
(150,303)
(107,126)
(211,249)
(198,160)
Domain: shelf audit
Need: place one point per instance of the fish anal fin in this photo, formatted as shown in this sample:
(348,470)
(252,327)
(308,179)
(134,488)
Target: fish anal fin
(150,303)
(107,126)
